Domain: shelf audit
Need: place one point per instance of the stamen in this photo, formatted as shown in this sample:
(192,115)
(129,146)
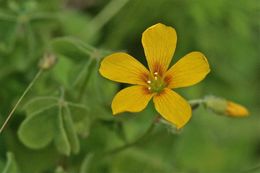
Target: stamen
(155,78)
(149,81)
(155,73)
(149,88)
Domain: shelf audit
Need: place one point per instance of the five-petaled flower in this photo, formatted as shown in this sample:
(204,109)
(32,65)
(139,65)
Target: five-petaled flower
(159,43)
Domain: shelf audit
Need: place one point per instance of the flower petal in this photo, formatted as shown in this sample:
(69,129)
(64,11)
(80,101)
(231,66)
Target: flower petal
(159,42)
(121,67)
(172,107)
(131,99)
(236,110)
(189,70)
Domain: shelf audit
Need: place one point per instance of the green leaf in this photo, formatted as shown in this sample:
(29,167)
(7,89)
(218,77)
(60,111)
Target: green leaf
(134,160)
(70,129)
(2,165)
(72,48)
(85,166)
(11,166)
(39,104)
(53,122)
(61,138)
(37,130)
(59,169)
(63,70)
(82,120)
(86,31)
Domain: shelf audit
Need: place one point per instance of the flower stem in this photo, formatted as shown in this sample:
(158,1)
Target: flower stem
(20,99)
(194,105)
(136,141)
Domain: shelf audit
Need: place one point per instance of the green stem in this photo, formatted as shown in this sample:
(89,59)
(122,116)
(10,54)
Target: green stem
(136,141)
(194,105)
(108,13)
(20,99)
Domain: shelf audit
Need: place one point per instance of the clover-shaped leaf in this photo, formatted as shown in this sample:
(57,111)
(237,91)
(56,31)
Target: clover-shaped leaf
(54,122)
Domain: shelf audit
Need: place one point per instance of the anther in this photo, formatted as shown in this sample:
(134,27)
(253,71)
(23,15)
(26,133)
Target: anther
(149,88)
(155,78)
(155,73)
(148,81)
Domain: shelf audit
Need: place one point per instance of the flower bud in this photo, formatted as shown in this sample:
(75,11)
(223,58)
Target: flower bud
(48,61)
(225,107)
(236,110)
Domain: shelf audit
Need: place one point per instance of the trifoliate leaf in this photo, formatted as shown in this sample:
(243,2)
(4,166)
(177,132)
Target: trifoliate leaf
(58,120)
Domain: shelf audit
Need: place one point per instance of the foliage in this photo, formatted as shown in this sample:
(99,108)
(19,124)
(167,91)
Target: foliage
(65,124)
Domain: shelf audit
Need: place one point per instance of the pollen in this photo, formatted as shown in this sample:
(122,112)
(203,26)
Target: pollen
(156,83)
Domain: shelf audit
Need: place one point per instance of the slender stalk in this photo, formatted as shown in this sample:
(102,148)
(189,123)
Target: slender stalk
(20,99)
(136,141)
(194,105)
(108,13)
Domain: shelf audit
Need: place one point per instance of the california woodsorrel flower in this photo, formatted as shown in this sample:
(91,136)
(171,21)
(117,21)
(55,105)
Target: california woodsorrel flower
(159,42)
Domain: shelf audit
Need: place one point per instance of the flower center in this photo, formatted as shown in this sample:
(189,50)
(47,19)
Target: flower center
(156,83)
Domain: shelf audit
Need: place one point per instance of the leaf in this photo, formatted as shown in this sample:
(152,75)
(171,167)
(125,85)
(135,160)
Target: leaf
(11,166)
(85,166)
(61,139)
(72,48)
(2,165)
(37,130)
(62,70)
(53,122)
(59,169)
(86,31)
(83,78)
(81,119)
(39,104)
(70,130)
(134,160)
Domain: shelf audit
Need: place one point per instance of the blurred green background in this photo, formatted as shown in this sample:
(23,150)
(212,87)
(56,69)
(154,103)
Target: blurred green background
(80,33)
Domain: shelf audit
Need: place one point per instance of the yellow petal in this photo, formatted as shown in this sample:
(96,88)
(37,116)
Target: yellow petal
(189,70)
(159,42)
(121,67)
(172,107)
(131,99)
(236,110)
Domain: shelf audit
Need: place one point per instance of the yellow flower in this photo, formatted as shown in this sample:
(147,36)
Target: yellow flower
(159,43)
